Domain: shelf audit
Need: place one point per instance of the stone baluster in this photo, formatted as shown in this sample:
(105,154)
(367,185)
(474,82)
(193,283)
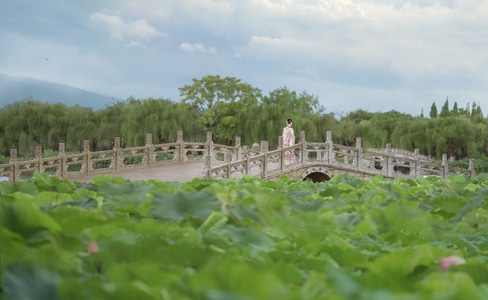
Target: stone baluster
(181,148)
(86,150)
(471,170)
(238,151)
(210,146)
(247,157)
(150,150)
(330,147)
(118,154)
(445,166)
(208,164)
(39,167)
(359,154)
(14,177)
(61,169)
(418,164)
(264,150)
(389,161)
(302,157)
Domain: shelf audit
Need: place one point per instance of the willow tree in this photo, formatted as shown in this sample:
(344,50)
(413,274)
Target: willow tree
(282,104)
(57,125)
(417,135)
(458,132)
(345,133)
(371,136)
(109,121)
(25,124)
(81,126)
(388,122)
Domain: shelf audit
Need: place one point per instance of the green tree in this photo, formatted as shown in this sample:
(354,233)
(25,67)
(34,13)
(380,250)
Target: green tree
(433,111)
(81,125)
(476,113)
(282,104)
(417,135)
(455,110)
(214,99)
(386,124)
(445,109)
(456,133)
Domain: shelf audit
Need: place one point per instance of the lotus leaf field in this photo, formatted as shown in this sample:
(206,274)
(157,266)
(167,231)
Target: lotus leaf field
(245,238)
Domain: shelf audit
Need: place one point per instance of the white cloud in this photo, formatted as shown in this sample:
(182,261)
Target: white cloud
(339,50)
(197,48)
(133,33)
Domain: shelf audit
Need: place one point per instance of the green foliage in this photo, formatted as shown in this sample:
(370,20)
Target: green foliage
(433,111)
(243,238)
(4,160)
(480,165)
(445,109)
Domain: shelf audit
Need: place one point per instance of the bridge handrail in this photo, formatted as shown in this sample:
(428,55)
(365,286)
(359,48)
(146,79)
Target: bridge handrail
(74,165)
(257,160)
(370,161)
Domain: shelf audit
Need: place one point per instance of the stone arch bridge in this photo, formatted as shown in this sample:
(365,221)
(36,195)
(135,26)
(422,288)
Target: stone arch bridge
(183,161)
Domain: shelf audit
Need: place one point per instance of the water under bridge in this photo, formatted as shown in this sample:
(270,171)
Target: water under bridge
(184,161)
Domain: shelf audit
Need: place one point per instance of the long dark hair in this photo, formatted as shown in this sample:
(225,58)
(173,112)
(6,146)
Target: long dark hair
(289,121)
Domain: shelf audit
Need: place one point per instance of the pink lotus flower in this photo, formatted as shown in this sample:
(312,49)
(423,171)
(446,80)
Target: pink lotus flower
(448,261)
(93,247)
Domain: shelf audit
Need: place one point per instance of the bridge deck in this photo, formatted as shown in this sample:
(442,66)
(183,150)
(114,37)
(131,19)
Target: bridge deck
(180,172)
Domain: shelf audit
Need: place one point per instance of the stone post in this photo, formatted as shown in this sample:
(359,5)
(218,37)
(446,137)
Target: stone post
(61,170)
(359,154)
(210,147)
(264,150)
(39,159)
(247,157)
(389,162)
(445,166)
(118,154)
(208,164)
(238,148)
(280,142)
(14,177)
(471,170)
(181,148)
(330,147)
(303,153)
(13,155)
(150,150)
(86,151)
(418,164)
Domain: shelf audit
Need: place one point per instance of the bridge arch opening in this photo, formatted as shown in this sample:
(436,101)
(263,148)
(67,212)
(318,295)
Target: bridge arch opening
(316,174)
(317,177)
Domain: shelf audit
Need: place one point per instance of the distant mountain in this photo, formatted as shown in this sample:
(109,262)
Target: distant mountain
(14,89)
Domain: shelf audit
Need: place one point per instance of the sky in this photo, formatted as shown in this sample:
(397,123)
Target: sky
(374,55)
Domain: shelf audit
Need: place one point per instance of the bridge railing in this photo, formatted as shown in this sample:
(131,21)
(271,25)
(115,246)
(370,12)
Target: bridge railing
(74,165)
(385,162)
(239,160)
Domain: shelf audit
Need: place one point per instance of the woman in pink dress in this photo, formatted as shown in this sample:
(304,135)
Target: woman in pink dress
(289,140)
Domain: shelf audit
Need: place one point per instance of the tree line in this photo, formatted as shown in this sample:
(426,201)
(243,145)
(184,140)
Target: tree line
(229,107)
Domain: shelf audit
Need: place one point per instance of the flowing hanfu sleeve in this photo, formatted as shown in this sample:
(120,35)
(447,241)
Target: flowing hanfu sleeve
(286,137)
